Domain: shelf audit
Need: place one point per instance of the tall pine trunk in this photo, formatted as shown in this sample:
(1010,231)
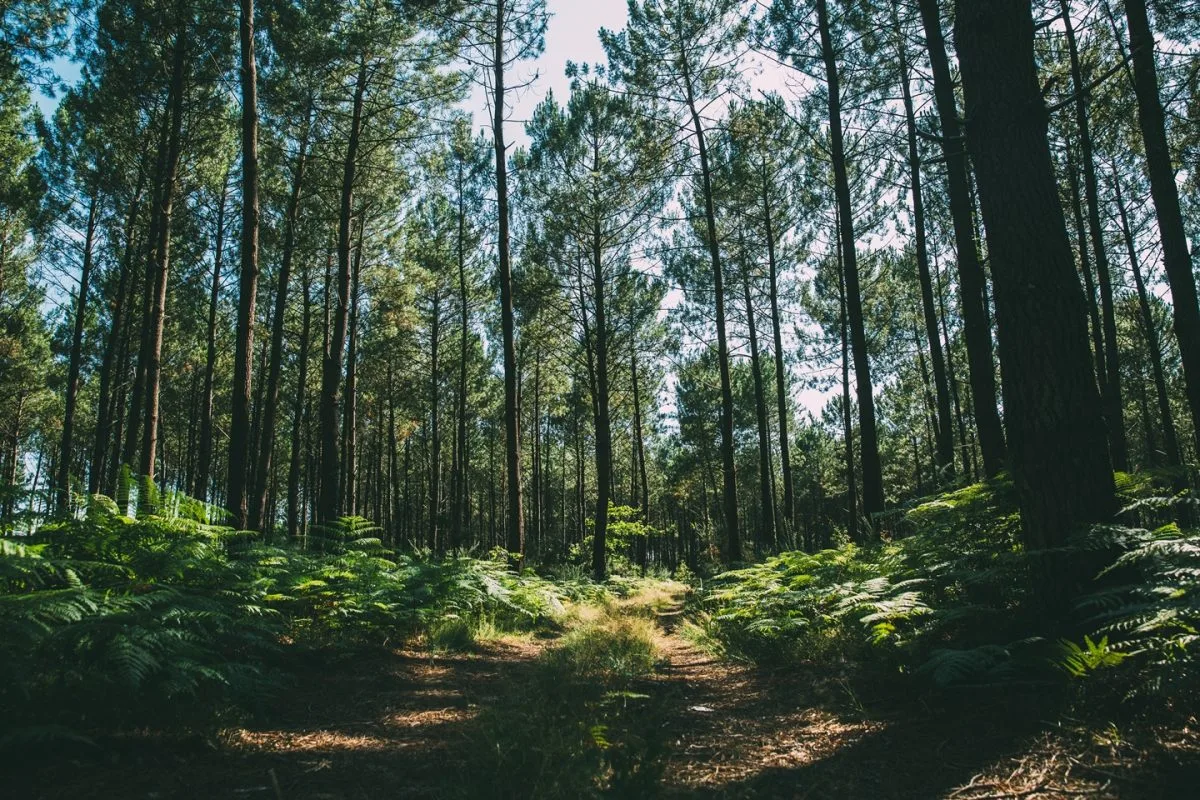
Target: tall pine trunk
(943,430)
(236,497)
(158,307)
(1056,430)
(329,504)
(1165,193)
(514,540)
(1111,387)
(66,449)
(871,467)
(768,537)
(733,539)
(258,487)
(1150,331)
(781,389)
(298,412)
(971,281)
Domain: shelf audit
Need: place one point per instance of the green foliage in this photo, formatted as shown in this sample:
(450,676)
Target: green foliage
(108,621)
(955,578)
(951,602)
(618,651)
(1080,661)
(1146,609)
(575,724)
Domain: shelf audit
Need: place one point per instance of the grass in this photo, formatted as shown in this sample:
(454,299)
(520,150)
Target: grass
(574,722)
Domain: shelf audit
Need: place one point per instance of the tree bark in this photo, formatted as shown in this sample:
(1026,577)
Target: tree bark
(236,496)
(1150,331)
(1060,461)
(515,528)
(458,489)
(781,389)
(258,493)
(66,447)
(293,483)
(1111,388)
(943,430)
(329,505)
(872,470)
(733,540)
(350,483)
(158,316)
(768,538)
(847,424)
(602,415)
(1085,267)
(435,432)
(1176,258)
(109,410)
(971,281)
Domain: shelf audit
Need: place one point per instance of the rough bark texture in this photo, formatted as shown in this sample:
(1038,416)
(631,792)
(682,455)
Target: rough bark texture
(1056,432)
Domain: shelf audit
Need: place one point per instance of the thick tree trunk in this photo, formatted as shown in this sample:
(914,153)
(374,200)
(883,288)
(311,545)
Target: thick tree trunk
(236,499)
(66,449)
(1056,430)
(872,470)
(971,281)
(514,540)
(329,506)
(1176,259)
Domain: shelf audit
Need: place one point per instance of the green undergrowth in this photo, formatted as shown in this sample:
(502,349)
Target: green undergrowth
(108,622)
(950,603)
(579,721)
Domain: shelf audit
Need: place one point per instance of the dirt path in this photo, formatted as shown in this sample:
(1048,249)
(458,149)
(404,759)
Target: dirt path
(491,722)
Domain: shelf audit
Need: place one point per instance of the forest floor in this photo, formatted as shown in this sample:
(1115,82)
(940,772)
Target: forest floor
(505,718)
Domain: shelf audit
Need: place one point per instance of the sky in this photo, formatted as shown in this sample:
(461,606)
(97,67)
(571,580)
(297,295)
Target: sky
(572,34)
